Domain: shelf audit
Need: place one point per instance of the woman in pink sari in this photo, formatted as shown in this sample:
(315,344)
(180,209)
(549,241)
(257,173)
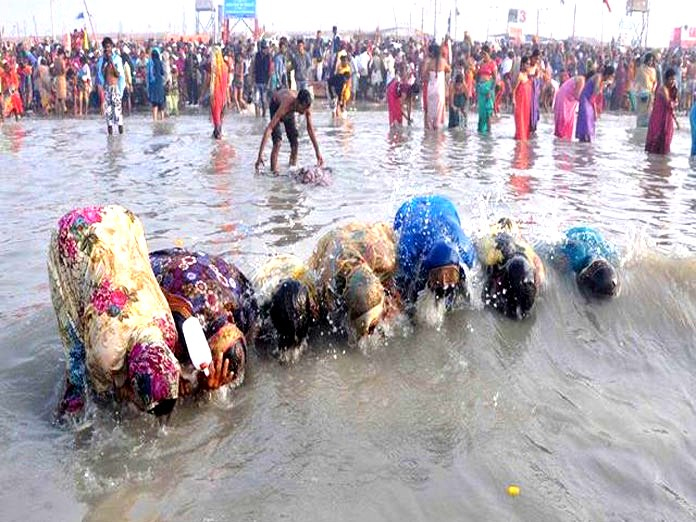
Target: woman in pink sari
(662,118)
(565,106)
(398,92)
(435,100)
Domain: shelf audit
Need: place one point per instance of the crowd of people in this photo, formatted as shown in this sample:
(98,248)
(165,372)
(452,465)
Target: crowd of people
(151,328)
(459,77)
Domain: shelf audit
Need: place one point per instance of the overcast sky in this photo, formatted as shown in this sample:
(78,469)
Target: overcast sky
(489,17)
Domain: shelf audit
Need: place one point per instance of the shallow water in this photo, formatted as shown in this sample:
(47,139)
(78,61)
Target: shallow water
(589,408)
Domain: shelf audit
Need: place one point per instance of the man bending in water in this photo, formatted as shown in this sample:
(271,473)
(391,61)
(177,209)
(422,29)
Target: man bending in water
(284,104)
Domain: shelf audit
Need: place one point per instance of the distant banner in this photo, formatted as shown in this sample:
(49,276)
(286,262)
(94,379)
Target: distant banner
(637,6)
(240,8)
(517,16)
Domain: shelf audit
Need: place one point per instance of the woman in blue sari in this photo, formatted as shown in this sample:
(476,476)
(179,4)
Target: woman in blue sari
(155,84)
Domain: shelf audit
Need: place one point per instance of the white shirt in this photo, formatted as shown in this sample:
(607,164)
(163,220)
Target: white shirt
(506,66)
(363,63)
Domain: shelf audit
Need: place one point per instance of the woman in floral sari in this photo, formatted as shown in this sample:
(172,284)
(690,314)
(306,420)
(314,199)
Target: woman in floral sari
(116,326)
(222,299)
(355,266)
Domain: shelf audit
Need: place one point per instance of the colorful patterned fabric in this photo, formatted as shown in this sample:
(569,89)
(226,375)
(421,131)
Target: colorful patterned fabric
(338,256)
(113,106)
(107,302)
(219,293)
(268,277)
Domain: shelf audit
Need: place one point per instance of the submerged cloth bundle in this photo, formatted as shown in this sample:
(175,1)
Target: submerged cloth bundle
(315,175)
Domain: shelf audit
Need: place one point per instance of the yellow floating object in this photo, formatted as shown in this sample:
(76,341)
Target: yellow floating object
(179,243)
(513,491)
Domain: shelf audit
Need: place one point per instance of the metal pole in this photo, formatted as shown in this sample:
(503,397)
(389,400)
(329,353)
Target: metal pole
(91,25)
(435,22)
(456,15)
(53,32)
(575,12)
(647,24)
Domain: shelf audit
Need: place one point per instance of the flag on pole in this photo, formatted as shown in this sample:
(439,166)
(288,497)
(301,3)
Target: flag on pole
(80,16)
(607,4)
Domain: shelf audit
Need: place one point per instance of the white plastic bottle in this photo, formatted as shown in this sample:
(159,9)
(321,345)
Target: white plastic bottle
(197,345)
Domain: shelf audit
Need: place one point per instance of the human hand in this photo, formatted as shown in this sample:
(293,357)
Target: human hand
(320,160)
(218,373)
(258,163)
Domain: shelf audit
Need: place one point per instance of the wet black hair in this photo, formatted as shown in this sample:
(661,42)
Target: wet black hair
(434,50)
(107,41)
(236,355)
(164,407)
(459,78)
(304,98)
(511,288)
(669,74)
(598,279)
(290,313)
(608,71)
(524,60)
(648,57)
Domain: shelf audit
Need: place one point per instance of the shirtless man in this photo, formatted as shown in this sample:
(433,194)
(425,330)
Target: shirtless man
(284,105)
(112,77)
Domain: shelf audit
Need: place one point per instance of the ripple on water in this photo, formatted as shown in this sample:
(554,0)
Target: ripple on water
(587,407)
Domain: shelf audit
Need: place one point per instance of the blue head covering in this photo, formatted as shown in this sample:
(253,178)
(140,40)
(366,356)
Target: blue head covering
(442,253)
(583,245)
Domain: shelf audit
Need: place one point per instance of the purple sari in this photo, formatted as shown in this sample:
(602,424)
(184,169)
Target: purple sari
(536,97)
(585,130)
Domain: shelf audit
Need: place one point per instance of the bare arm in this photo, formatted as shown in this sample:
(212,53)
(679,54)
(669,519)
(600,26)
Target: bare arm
(280,113)
(313,137)
(514,89)
(579,86)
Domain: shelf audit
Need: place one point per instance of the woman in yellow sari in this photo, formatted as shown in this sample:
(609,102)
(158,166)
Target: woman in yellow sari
(219,75)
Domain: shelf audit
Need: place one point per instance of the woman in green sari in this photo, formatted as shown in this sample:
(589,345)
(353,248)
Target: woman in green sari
(485,87)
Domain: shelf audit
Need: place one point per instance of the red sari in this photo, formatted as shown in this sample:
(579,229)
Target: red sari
(10,83)
(218,87)
(523,109)
(661,126)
